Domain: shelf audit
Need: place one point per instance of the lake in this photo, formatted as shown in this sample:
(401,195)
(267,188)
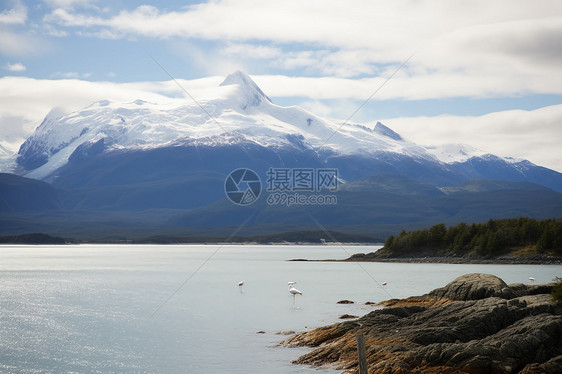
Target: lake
(179,309)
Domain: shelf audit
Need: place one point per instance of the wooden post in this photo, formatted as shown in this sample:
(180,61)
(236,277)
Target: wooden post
(361,352)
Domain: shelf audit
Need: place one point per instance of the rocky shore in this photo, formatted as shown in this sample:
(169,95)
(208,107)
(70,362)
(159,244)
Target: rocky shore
(475,324)
(431,257)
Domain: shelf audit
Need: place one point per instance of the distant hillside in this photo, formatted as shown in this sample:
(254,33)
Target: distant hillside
(375,206)
(391,199)
(20,194)
(36,238)
(301,236)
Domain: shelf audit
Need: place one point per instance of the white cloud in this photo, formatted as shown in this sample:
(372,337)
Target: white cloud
(14,16)
(408,86)
(17,67)
(70,75)
(14,130)
(17,44)
(53,31)
(252,51)
(401,25)
(338,111)
(480,49)
(316,88)
(534,135)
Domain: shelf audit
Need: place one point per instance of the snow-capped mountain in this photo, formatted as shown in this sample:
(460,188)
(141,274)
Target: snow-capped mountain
(241,112)
(110,143)
(162,166)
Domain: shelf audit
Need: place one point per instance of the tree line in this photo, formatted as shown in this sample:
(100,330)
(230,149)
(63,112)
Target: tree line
(489,239)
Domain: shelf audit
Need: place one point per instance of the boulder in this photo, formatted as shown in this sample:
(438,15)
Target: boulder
(475,287)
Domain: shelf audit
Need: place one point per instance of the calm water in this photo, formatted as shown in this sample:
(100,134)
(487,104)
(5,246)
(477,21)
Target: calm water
(103,308)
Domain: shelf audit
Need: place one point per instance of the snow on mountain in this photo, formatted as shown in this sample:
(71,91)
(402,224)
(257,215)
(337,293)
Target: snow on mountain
(4,151)
(383,130)
(252,94)
(7,160)
(455,152)
(238,111)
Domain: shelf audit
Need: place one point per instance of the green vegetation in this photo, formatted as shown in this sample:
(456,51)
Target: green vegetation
(557,294)
(494,238)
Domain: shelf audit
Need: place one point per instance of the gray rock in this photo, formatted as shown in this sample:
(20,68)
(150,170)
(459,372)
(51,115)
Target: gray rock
(520,289)
(475,287)
(532,339)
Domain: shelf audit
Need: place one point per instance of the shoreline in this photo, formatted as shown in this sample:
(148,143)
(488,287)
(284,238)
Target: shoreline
(462,260)
(502,260)
(475,324)
(131,242)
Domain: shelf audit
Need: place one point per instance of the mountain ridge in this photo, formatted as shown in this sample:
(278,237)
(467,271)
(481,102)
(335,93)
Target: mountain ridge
(241,113)
(140,163)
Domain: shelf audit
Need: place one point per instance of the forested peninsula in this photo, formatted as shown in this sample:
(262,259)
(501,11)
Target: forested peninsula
(522,239)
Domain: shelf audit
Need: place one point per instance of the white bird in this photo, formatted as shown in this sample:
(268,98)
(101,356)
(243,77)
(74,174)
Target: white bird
(531,279)
(241,283)
(291,283)
(384,283)
(293,291)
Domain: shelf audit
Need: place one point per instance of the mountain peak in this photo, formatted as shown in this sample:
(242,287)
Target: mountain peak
(250,89)
(386,131)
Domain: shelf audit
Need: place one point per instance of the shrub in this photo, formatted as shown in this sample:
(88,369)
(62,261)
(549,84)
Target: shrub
(557,294)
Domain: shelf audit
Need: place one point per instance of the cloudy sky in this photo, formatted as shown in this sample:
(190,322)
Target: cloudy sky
(485,73)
